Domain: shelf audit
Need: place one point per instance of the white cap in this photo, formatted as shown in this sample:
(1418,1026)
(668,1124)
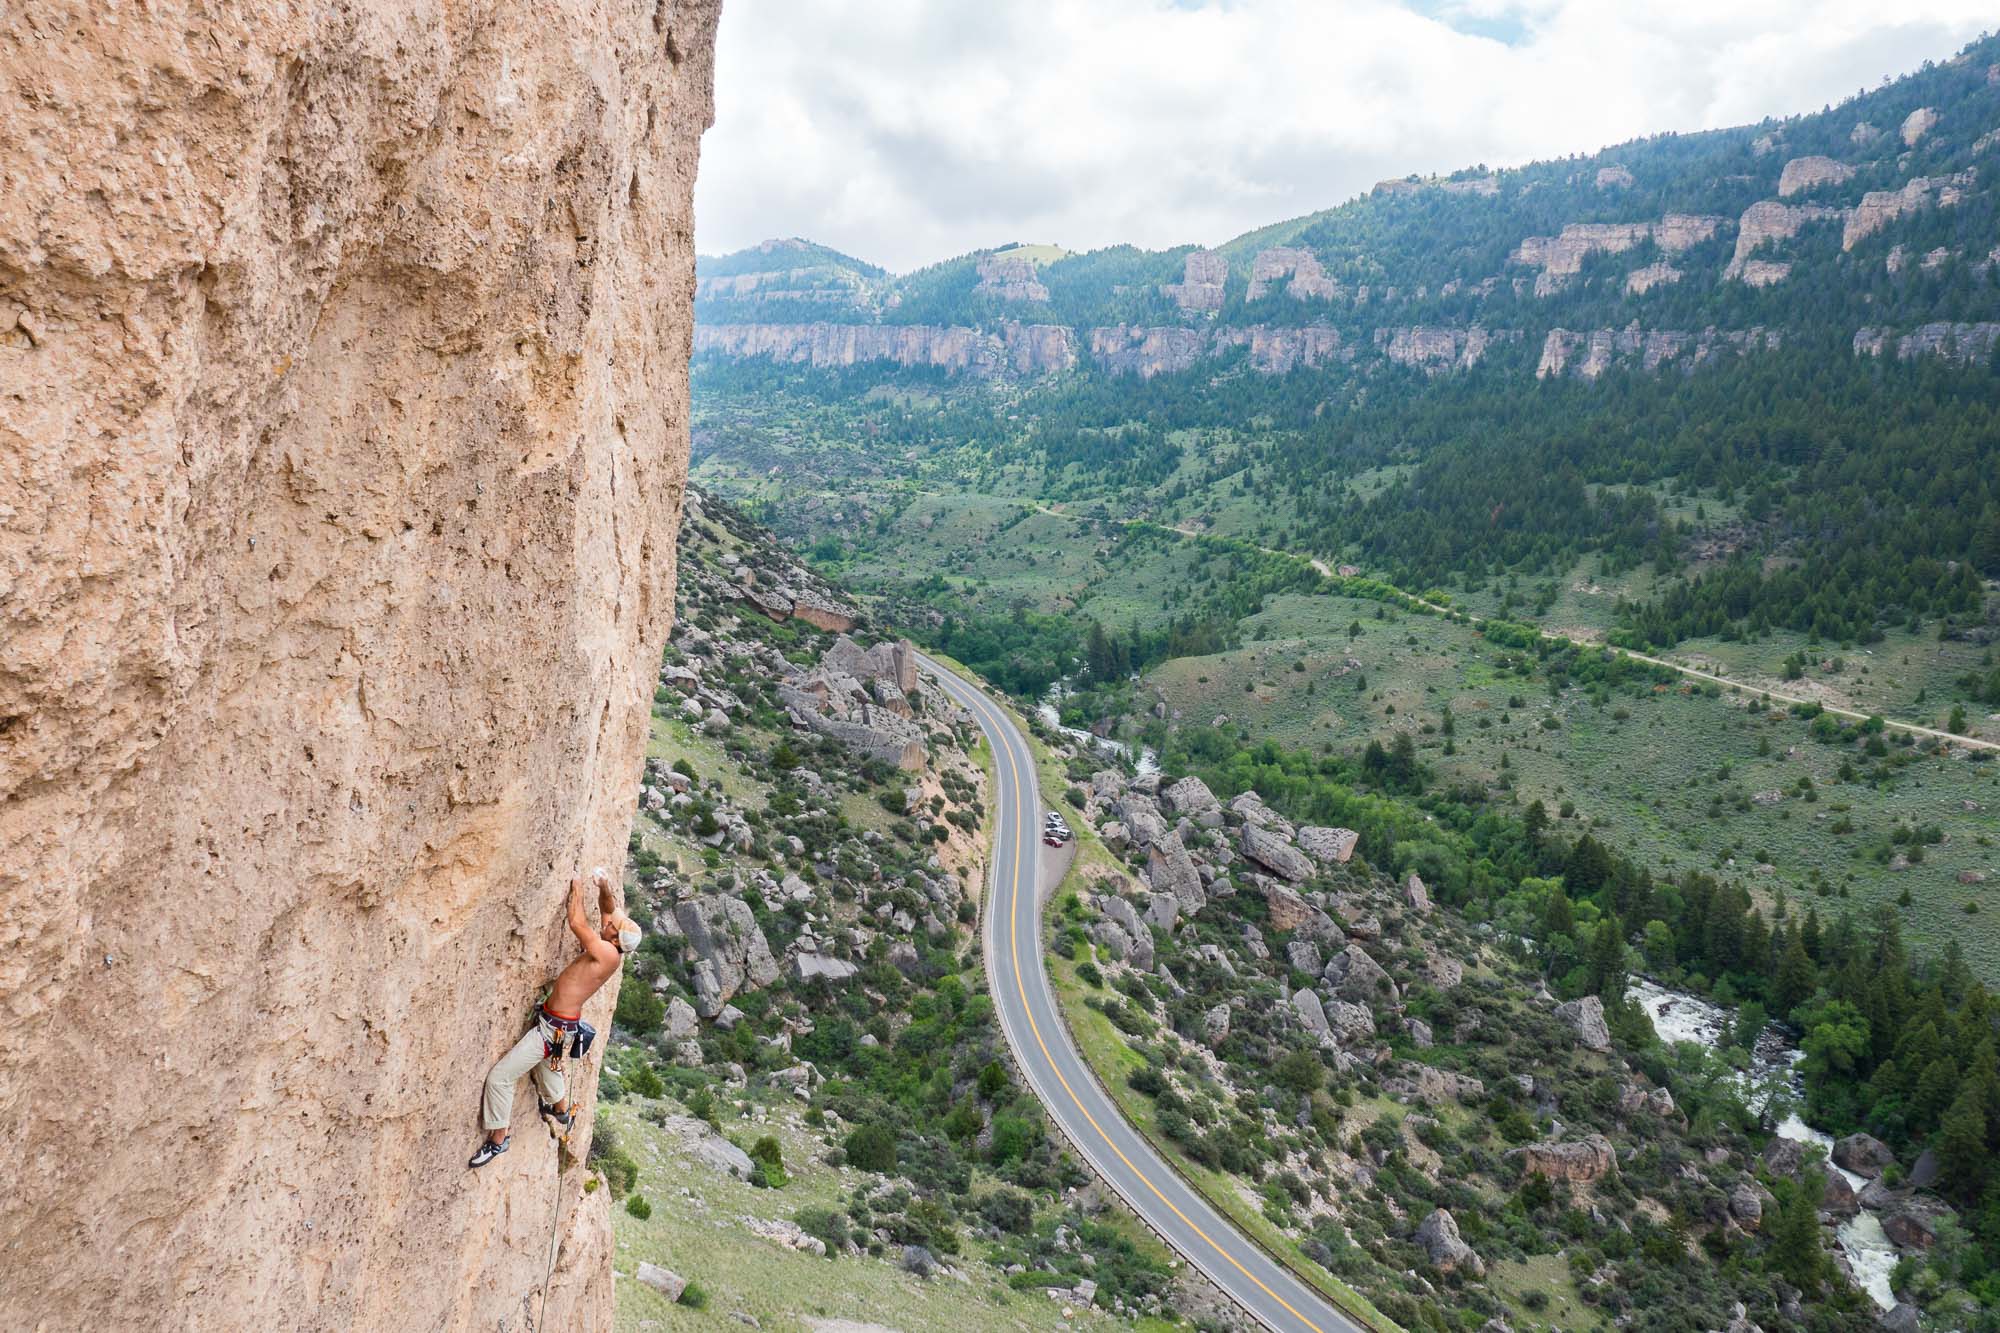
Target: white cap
(628,938)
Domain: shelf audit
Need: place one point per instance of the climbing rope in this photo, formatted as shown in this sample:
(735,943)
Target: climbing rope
(555,1232)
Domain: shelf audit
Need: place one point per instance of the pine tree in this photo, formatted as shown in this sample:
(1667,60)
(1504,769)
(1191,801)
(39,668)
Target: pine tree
(1962,1152)
(1795,975)
(1557,919)
(1795,1247)
(1607,961)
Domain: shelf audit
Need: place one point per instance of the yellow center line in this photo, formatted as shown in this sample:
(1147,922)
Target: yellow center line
(988,710)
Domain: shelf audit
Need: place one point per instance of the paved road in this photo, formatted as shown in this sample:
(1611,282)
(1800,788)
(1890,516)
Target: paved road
(1055,1070)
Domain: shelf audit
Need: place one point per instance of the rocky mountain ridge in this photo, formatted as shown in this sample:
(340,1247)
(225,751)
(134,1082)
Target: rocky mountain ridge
(1729,229)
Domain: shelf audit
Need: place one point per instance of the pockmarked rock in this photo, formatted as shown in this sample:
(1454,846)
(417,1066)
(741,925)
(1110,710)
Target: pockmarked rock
(353,425)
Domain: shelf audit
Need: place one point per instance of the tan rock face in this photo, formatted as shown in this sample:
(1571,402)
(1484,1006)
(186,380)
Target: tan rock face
(341,452)
(1809,173)
(1917,124)
(1204,276)
(1308,279)
(1588,355)
(1010,278)
(1767,221)
(1020,348)
(1135,350)
(1434,349)
(1879,208)
(1561,257)
(1277,351)
(1642,280)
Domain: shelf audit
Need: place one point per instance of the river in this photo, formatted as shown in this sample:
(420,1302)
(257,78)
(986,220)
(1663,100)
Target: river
(1049,710)
(1678,1016)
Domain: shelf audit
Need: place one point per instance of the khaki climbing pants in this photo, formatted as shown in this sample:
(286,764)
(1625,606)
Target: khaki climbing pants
(497,1107)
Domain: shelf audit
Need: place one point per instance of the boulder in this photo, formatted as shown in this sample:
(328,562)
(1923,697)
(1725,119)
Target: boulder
(1349,1023)
(663,1280)
(1170,870)
(1443,972)
(1924,1174)
(1438,1235)
(1912,1224)
(730,952)
(1143,825)
(1863,1154)
(1586,1019)
(1746,1207)
(822,967)
(1435,1086)
(1215,1025)
(1419,1033)
(1328,846)
(1786,1157)
(1312,1013)
(919,1260)
(1304,957)
(1900,1318)
(1162,911)
(1288,910)
(1415,895)
(1837,1198)
(681,1022)
(1353,975)
(1189,798)
(1581,1162)
(1270,850)
(724,1156)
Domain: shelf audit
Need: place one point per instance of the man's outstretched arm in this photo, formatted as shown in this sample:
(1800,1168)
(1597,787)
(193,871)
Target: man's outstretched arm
(607,894)
(578,922)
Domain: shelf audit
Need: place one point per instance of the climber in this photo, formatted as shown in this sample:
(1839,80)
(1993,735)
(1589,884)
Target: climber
(559,1028)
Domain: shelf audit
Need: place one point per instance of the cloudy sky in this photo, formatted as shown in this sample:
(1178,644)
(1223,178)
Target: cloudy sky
(906,131)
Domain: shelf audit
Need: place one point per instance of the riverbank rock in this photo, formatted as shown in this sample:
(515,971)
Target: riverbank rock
(1837,1198)
(1912,1222)
(1864,1155)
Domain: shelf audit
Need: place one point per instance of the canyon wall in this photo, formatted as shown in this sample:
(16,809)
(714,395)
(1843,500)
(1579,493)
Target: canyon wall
(343,426)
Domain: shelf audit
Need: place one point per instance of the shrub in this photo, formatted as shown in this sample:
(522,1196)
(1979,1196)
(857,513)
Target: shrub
(642,1081)
(639,1011)
(829,1225)
(620,1171)
(872,1148)
(638,1207)
(694,1297)
(768,1171)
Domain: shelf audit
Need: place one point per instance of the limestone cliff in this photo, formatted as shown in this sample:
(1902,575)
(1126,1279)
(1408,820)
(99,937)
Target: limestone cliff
(342,436)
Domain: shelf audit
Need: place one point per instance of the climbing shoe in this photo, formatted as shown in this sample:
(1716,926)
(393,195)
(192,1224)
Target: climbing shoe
(566,1119)
(487,1152)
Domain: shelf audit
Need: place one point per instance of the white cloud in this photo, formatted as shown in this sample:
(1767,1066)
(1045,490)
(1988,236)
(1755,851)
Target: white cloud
(906,132)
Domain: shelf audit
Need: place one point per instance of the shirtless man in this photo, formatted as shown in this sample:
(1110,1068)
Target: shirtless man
(541,1050)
